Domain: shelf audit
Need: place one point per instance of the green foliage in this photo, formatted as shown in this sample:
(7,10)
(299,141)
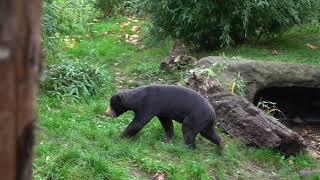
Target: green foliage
(52,23)
(238,85)
(291,47)
(64,18)
(109,8)
(222,23)
(215,72)
(133,7)
(73,79)
(270,108)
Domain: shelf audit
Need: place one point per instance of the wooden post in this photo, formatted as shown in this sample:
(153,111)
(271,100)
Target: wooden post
(20,66)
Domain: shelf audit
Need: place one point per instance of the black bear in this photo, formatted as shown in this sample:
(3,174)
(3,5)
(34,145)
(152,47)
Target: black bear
(167,102)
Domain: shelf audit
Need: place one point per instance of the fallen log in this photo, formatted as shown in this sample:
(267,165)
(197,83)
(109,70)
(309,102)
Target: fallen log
(241,119)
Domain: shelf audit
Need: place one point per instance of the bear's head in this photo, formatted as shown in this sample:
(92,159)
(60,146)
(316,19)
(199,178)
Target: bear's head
(116,107)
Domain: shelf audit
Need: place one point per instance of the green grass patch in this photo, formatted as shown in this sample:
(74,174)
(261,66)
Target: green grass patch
(291,47)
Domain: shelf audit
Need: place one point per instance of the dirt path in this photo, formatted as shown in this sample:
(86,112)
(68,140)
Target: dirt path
(119,77)
(124,81)
(311,134)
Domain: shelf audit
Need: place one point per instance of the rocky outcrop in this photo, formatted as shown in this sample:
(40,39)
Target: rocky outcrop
(263,74)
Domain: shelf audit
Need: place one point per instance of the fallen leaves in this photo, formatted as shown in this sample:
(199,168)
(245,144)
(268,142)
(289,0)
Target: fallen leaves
(315,154)
(135,29)
(159,176)
(125,24)
(304,133)
(274,52)
(311,135)
(127,35)
(132,19)
(133,39)
(310,46)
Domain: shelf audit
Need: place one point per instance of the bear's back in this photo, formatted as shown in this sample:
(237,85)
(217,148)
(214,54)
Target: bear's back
(175,95)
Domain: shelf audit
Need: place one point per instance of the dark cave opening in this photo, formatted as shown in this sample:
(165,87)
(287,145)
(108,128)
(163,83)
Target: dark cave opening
(296,103)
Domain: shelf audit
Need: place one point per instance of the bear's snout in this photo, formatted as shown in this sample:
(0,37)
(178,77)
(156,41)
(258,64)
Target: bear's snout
(110,112)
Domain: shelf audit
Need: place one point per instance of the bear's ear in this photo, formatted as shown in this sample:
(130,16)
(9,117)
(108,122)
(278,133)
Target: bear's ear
(119,98)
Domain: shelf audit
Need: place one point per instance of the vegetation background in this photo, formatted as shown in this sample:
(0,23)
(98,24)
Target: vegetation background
(96,47)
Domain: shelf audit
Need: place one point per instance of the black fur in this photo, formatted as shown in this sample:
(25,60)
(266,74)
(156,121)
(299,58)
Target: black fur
(168,102)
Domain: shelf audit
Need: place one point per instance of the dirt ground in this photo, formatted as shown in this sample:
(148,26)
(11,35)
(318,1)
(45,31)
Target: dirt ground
(311,134)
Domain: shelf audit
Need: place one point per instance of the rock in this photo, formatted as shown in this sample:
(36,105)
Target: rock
(307,172)
(310,46)
(304,133)
(274,52)
(298,120)
(294,89)
(262,74)
(159,176)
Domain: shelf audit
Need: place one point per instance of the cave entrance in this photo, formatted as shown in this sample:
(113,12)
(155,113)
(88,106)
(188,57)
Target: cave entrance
(291,103)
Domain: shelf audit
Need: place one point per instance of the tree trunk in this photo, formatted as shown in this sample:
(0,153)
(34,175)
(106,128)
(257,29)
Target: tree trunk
(241,119)
(177,57)
(20,66)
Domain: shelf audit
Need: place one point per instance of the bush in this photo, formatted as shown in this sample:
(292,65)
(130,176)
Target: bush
(133,7)
(109,8)
(209,23)
(52,23)
(65,18)
(73,80)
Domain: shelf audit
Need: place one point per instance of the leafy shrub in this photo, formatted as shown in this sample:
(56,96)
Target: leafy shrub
(52,23)
(215,72)
(238,85)
(133,7)
(65,18)
(109,8)
(270,108)
(222,23)
(75,80)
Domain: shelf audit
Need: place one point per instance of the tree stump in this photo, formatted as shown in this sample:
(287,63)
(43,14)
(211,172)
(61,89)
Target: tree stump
(177,57)
(241,119)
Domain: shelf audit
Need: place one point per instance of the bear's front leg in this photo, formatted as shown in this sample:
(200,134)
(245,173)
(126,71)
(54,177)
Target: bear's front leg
(167,125)
(139,121)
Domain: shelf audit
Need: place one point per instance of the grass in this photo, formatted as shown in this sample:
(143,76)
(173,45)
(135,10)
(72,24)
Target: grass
(291,47)
(76,141)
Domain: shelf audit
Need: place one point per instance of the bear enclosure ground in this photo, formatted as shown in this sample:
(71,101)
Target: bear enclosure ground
(76,141)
